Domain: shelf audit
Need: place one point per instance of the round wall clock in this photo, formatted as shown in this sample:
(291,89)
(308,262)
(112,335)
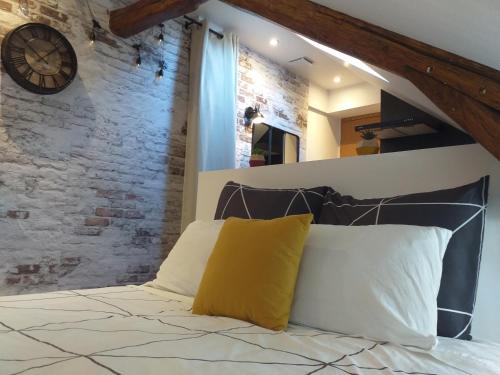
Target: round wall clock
(39,58)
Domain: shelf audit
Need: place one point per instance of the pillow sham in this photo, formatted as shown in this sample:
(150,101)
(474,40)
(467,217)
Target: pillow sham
(461,210)
(252,270)
(237,200)
(182,270)
(380,282)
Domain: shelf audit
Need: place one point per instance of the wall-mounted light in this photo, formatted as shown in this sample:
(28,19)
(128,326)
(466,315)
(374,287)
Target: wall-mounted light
(253,116)
(161,37)
(162,66)
(138,60)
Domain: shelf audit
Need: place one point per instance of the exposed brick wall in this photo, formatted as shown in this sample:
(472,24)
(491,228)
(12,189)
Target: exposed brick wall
(91,178)
(282,95)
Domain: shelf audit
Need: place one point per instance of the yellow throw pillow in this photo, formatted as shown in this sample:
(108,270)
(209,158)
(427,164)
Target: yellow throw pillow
(252,270)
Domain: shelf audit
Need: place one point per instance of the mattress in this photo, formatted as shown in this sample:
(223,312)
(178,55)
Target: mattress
(141,330)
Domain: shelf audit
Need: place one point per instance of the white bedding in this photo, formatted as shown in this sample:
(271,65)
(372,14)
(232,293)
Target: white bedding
(141,330)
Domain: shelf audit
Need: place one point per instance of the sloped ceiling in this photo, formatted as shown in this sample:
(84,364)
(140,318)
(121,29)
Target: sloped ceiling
(469,28)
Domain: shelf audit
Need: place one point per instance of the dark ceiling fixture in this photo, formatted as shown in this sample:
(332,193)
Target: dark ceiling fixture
(253,116)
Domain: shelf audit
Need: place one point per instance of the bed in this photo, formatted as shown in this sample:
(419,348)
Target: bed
(142,330)
(149,330)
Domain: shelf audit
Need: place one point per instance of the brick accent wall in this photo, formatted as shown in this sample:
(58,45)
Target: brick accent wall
(91,178)
(282,95)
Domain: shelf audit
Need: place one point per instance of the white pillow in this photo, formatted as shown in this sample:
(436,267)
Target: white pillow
(183,269)
(379,281)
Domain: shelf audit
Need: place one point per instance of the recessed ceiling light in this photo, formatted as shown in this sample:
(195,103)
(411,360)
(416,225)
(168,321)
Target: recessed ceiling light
(337,79)
(274,42)
(346,64)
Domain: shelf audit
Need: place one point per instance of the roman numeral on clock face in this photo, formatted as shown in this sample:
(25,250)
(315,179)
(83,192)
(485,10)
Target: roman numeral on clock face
(28,73)
(35,32)
(63,74)
(41,81)
(19,61)
(17,49)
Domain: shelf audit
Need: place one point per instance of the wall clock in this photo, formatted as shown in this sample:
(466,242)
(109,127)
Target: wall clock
(39,58)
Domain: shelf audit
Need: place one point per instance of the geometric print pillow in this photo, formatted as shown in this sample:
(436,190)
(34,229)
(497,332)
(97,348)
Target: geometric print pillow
(237,200)
(461,210)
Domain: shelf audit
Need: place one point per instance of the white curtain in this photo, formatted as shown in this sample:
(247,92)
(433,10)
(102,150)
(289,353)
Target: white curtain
(211,130)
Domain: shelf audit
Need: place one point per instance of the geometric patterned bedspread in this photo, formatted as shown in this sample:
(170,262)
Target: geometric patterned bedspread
(140,330)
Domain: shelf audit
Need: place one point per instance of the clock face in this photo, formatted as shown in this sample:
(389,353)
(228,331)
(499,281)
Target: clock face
(39,58)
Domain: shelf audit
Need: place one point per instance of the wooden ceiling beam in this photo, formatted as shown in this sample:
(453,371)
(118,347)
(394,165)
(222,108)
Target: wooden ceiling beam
(384,49)
(144,14)
(466,91)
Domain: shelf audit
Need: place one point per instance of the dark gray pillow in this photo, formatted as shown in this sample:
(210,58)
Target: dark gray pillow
(461,210)
(247,202)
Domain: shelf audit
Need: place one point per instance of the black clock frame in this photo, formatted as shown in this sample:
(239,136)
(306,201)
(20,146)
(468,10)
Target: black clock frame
(20,80)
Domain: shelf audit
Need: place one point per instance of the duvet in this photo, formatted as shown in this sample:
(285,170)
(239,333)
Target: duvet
(141,330)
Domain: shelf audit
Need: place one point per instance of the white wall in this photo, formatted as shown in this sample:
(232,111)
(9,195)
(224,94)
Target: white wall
(362,95)
(323,137)
(387,175)
(91,178)
(323,130)
(318,98)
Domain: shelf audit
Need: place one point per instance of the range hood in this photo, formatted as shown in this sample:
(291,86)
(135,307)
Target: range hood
(399,128)
(404,127)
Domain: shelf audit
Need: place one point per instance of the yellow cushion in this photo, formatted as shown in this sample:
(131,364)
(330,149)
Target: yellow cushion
(252,270)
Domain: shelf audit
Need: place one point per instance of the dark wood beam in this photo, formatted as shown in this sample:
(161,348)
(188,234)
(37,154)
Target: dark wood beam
(374,45)
(479,120)
(465,90)
(144,14)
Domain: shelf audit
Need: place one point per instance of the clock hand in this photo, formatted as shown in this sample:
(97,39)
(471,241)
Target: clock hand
(36,53)
(47,55)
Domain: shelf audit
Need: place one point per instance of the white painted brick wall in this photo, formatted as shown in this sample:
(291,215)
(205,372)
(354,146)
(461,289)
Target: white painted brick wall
(112,144)
(282,95)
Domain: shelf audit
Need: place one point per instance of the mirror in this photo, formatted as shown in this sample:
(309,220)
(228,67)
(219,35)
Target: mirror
(273,146)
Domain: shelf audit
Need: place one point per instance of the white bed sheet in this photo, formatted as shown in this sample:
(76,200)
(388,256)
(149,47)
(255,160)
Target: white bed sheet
(141,330)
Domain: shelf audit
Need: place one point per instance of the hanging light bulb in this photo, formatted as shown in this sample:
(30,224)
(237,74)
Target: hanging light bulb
(161,37)
(93,33)
(162,66)
(138,60)
(92,37)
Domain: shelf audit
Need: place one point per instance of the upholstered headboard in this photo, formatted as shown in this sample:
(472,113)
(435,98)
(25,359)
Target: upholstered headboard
(387,175)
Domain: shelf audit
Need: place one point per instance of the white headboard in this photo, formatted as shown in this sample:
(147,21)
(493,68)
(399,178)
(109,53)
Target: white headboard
(386,175)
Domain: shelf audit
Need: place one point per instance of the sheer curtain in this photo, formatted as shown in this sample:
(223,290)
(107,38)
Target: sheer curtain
(211,134)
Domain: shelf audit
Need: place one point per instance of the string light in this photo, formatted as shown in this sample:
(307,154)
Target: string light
(138,60)
(162,66)
(96,27)
(93,33)
(161,36)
